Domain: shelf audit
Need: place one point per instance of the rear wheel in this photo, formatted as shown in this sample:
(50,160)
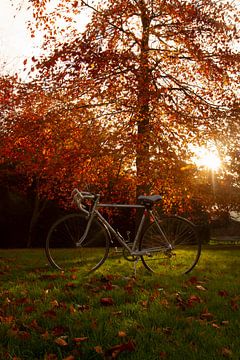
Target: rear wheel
(173,244)
(62,249)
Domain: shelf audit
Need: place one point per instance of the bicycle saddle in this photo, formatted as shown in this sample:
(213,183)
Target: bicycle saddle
(149,200)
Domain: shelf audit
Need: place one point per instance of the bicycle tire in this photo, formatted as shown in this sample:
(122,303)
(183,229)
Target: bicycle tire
(62,250)
(178,250)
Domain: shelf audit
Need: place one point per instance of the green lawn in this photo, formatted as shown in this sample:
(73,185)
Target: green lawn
(46,314)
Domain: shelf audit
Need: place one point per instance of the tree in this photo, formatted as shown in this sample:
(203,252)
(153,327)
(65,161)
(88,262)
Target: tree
(52,146)
(164,72)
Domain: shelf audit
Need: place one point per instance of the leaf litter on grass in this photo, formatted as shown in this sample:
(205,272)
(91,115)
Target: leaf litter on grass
(145,310)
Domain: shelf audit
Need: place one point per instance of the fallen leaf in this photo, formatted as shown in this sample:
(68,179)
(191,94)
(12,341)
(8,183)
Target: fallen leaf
(21,301)
(59,330)
(122,334)
(226,352)
(6,319)
(45,335)
(54,303)
(200,287)
(206,315)
(70,357)
(194,299)
(50,313)
(78,340)
(98,349)
(117,313)
(106,301)
(118,349)
(23,335)
(144,303)
(223,293)
(162,355)
(50,357)
(167,330)
(35,326)
(234,305)
(61,341)
(225,322)
(192,280)
(72,309)
(216,326)
(29,309)
(70,285)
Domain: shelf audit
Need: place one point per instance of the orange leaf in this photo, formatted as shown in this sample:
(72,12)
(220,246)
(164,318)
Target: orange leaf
(60,341)
(206,315)
(98,349)
(80,339)
(122,333)
(226,352)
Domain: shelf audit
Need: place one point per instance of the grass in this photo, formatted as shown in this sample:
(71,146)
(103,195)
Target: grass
(46,314)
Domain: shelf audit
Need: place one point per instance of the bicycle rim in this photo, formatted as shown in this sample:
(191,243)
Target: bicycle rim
(176,248)
(63,251)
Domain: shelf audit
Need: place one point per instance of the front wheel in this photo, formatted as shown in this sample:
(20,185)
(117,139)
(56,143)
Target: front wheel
(171,244)
(64,249)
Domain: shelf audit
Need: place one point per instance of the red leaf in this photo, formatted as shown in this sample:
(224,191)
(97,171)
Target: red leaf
(193,280)
(234,305)
(50,313)
(117,349)
(223,293)
(71,285)
(194,299)
(75,4)
(59,330)
(29,309)
(106,301)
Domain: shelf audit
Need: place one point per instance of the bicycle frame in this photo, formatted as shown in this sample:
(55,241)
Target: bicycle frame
(95,213)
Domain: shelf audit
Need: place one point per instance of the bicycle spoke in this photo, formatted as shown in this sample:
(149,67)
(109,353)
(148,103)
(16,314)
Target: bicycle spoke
(64,251)
(177,242)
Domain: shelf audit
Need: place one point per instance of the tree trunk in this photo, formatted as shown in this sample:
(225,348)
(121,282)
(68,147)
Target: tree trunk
(38,208)
(142,150)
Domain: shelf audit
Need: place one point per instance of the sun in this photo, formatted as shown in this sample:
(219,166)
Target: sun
(206,158)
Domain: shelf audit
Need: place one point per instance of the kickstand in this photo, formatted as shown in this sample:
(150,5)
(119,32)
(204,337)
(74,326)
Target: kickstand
(135,266)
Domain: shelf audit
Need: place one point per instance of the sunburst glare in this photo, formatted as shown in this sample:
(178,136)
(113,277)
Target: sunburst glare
(206,157)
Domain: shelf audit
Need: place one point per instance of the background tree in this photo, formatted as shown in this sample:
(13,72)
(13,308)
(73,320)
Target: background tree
(53,146)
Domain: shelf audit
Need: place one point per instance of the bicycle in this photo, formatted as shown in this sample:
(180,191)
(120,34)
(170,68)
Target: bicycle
(85,238)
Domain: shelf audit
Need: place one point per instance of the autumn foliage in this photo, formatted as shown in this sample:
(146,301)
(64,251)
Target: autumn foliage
(114,105)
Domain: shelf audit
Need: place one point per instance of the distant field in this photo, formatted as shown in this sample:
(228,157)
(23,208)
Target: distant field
(47,314)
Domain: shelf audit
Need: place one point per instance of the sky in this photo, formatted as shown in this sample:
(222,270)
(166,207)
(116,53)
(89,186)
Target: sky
(15,41)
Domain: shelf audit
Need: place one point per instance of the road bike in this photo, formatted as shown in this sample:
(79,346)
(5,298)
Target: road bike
(85,238)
